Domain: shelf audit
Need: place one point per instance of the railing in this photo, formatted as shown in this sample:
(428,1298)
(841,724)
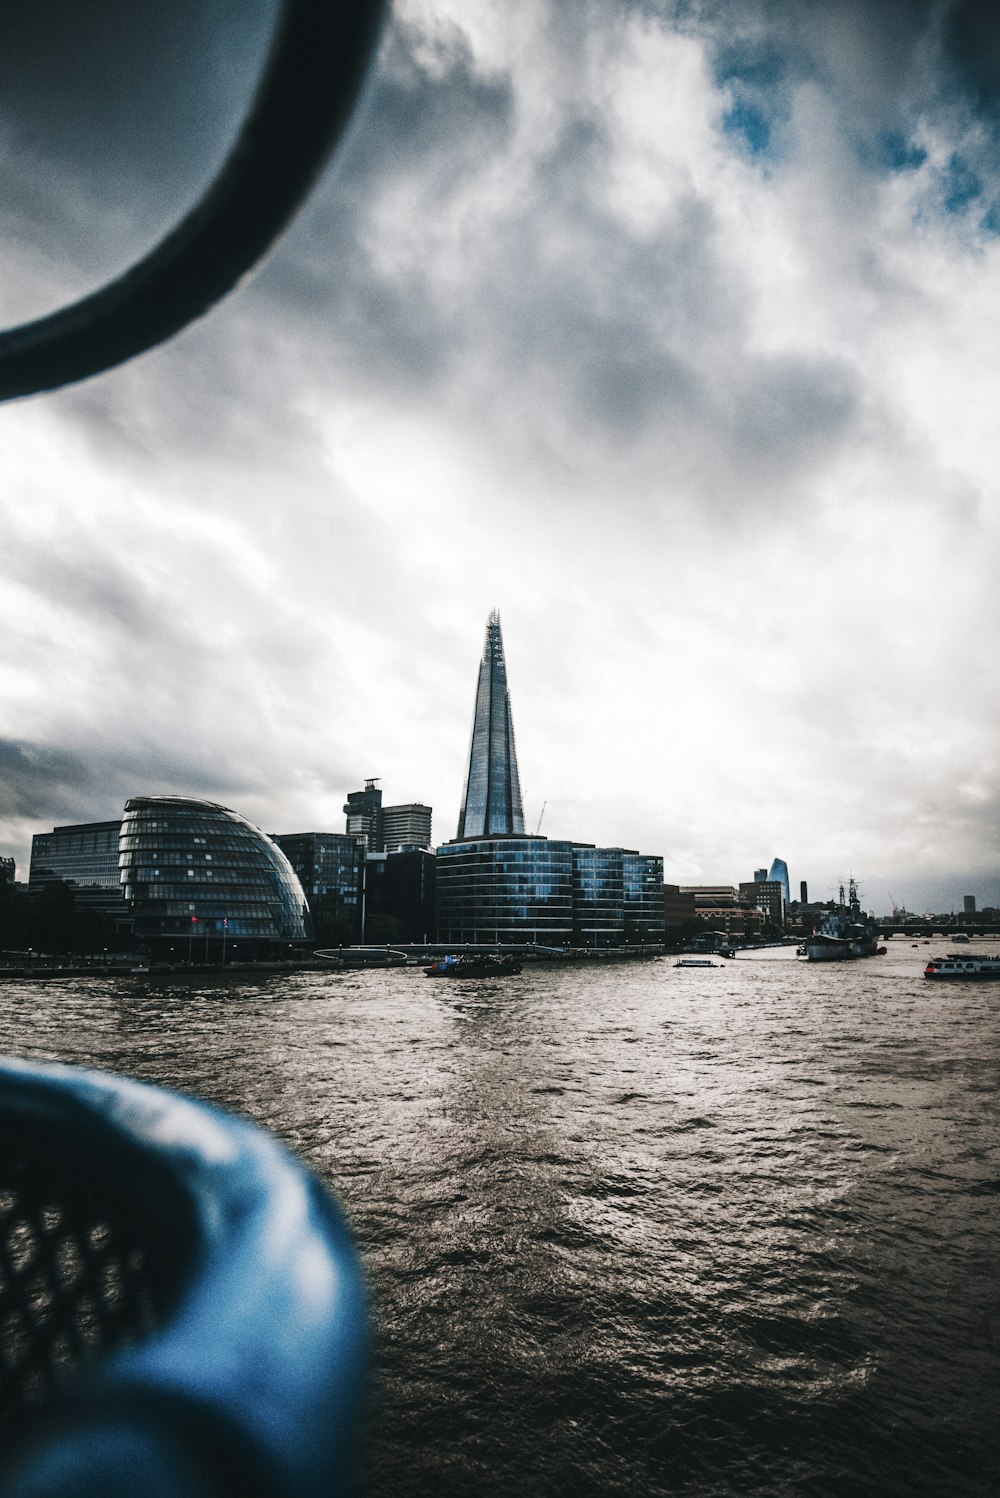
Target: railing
(304,99)
(181,1308)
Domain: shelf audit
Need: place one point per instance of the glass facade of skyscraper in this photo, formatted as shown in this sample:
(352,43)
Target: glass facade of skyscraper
(85,857)
(492,799)
(363,810)
(643,880)
(598,897)
(329,866)
(779,873)
(533,889)
(505,889)
(192,870)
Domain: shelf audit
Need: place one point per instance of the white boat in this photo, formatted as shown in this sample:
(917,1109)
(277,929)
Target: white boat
(697,962)
(973,965)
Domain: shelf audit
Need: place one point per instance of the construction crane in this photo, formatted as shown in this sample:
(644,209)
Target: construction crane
(540,816)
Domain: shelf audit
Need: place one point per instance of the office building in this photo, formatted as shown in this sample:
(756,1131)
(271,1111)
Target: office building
(721,910)
(803,893)
(407,826)
(84,857)
(760,875)
(712,896)
(678,914)
(505,889)
(643,897)
(969,904)
(8,870)
(330,868)
(378,828)
(598,896)
(767,896)
(204,884)
(779,872)
(363,810)
(399,896)
(553,893)
(491,803)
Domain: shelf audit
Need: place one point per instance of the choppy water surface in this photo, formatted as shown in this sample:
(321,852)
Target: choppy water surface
(631,1229)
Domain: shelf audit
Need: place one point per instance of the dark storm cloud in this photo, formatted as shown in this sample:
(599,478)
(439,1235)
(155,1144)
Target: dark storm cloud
(43,782)
(555,329)
(76,573)
(544,318)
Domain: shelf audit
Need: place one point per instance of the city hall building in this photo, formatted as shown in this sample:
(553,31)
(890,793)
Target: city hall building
(203,883)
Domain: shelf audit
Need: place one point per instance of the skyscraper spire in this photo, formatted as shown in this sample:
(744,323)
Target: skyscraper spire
(492,800)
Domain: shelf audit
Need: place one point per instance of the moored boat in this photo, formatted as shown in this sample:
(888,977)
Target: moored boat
(473,965)
(973,965)
(844,933)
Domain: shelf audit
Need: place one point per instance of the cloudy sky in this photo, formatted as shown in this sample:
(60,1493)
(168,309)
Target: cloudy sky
(672,330)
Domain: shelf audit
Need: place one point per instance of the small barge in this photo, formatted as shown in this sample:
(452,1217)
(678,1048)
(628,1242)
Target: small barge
(474,965)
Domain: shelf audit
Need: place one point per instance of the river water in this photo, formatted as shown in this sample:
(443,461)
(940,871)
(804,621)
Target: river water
(629,1229)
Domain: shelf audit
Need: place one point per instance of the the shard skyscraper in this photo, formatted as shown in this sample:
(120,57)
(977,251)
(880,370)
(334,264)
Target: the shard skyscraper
(492,801)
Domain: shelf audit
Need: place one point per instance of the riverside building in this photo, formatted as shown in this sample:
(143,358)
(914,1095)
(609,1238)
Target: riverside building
(330,867)
(407,826)
(204,884)
(381,829)
(778,873)
(767,896)
(85,857)
(498,885)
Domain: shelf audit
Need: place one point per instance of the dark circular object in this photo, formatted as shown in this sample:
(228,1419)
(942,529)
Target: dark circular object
(183,1307)
(311,81)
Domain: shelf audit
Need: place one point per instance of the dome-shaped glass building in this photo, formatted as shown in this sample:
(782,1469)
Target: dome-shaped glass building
(203,882)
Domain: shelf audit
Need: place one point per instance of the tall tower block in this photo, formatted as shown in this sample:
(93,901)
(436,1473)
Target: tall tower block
(491,804)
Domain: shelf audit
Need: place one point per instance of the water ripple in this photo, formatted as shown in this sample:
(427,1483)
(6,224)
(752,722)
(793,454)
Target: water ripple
(632,1231)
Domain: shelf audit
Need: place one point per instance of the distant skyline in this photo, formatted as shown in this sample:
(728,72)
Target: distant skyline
(670,330)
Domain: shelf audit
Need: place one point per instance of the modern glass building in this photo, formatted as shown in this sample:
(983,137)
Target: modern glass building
(399,902)
(491,803)
(598,896)
(539,890)
(363,810)
(203,883)
(85,857)
(779,874)
(642,875)
(330,868)
(505,889)
(495,884)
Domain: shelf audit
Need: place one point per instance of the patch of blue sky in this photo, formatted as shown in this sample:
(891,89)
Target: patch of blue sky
(989,224)
(752,65)
(745,120)
(897,154)
(960,186)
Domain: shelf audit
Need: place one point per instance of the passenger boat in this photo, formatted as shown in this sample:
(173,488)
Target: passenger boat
(697,962)
(963,965)
(473,965)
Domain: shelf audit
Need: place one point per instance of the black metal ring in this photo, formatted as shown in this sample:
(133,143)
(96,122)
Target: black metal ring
(304,99)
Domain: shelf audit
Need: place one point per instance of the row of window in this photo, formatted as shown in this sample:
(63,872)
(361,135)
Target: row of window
(179,841)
